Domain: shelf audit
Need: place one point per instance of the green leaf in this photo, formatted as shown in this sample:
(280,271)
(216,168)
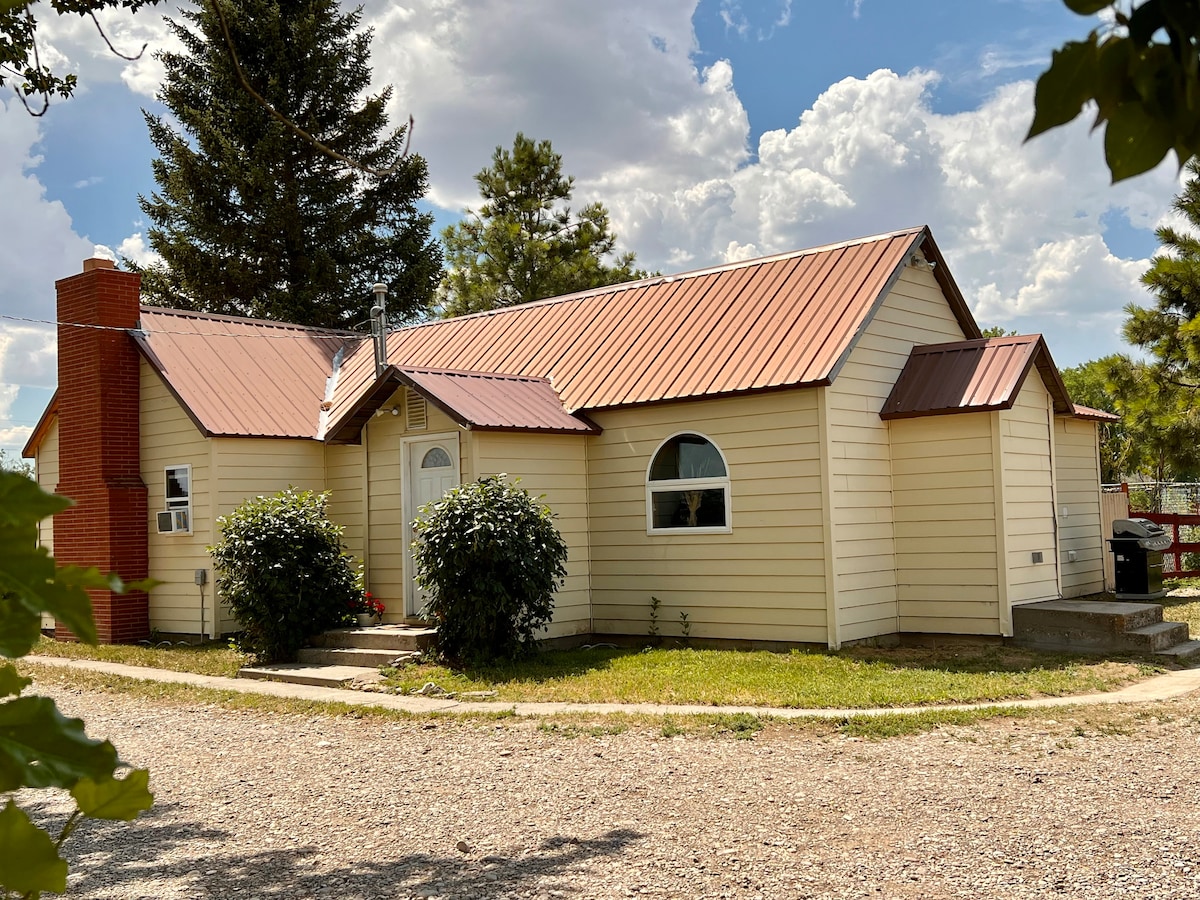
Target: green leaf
(115,798)
(11,682)
(1064,87)
(1087,7)
(29,572)
(40,747)
(30,861)
(1134,141)
(23,503)
(20,627)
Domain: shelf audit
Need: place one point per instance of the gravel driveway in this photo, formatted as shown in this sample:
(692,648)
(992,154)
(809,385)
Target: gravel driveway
(255,805)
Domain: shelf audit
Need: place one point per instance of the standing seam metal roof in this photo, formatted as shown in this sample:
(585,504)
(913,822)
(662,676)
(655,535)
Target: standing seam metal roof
(242,377)
(970,376)
(781,321)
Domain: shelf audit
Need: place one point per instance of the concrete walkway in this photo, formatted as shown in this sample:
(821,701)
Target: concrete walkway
(1161,687)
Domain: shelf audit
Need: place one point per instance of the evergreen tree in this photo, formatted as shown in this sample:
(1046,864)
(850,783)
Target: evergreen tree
(1091,384)
(1158,399)
(524,243)
(251,219)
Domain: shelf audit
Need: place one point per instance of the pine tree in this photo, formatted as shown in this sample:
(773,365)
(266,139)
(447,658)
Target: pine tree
(524,243)
(251,219)
(1158,400)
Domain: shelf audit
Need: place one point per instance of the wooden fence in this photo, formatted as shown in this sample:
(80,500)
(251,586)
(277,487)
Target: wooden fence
(1179,526)
(1113,506)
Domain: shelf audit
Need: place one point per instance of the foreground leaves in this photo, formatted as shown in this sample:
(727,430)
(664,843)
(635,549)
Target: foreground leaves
(1146,90)
(39,746)
(30,861)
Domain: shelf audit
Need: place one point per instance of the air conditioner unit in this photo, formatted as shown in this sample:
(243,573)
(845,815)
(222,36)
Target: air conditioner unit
(174,521)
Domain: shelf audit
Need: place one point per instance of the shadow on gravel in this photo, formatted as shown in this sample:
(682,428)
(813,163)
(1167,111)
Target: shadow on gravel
(135,861)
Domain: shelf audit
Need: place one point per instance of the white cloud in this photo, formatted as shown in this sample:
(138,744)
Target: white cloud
(663,143)
(137,249)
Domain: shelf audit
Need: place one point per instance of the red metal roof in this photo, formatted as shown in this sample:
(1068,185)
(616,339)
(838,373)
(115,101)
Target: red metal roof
(780,321)
(496,402)
(969,376)
(242,377)
(1098,415)
(476,400)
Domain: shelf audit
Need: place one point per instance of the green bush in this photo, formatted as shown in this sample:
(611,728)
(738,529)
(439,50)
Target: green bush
(490,559)
(282,570)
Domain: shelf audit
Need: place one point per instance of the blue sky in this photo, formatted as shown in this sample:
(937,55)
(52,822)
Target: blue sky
(713,131)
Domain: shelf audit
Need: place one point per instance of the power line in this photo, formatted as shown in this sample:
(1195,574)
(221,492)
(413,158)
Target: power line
(299,332)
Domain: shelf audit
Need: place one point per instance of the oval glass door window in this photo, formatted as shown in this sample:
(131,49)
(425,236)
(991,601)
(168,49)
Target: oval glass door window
(437,458)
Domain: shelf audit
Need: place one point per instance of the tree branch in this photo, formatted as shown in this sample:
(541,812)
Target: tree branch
(288,123)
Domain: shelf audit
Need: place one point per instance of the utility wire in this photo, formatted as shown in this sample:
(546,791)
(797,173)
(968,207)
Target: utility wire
(299,332)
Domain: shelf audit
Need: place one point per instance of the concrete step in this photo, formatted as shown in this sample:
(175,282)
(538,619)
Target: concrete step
(397,638)
(1188,651)
(1156,637)
(1081,626)
(353,656)
(301,673)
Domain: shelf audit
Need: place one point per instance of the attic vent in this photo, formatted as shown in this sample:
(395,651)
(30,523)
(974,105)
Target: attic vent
(416,414)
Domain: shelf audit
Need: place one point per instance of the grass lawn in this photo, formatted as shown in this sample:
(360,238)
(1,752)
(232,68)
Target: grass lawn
(850,679)
(1183,609)
(206,659)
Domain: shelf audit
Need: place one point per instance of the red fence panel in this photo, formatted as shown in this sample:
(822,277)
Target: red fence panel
(1173,561)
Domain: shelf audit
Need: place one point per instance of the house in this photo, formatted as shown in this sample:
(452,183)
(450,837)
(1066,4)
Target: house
(815,447)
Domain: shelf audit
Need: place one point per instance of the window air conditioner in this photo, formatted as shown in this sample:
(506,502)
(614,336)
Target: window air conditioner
(173,521)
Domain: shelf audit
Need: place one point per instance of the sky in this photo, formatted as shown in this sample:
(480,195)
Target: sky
(713,130)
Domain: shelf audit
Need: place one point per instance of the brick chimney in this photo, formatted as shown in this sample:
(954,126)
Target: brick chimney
(99,454)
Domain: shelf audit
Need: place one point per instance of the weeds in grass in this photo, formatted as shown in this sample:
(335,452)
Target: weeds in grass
(743,726)
(574,730)
(671,728)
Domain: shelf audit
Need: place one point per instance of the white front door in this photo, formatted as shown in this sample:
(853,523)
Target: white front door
(431,470)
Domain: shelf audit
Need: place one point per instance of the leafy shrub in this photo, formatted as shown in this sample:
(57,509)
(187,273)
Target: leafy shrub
(282,569)
(490,558)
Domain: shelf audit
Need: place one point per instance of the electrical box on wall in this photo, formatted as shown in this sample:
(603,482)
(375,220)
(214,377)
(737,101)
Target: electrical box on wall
(202,577)
(1037,556)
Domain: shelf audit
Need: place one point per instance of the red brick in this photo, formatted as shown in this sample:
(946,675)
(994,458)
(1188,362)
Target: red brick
(99,453)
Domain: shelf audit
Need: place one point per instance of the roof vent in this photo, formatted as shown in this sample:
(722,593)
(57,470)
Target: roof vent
(416,412)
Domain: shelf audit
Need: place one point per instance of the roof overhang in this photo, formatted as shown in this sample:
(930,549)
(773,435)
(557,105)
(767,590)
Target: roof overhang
(41,429)
(973,376)
(476,401)
(1096,415)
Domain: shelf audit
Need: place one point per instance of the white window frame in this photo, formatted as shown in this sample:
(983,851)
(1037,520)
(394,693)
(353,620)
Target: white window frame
(171,504)
(721,483)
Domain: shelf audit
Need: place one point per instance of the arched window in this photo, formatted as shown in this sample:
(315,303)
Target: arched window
(687,487)
(437,458)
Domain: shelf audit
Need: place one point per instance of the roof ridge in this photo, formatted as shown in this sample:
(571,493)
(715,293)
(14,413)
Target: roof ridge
(473,373)
(677,276)
(247,320)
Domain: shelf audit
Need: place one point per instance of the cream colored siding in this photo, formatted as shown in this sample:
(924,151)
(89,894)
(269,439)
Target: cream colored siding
(1029,494)
(47,477)
(863,537)
(253,467)
(1077,468)
(346,481)
(946,513)
(169,438)
(553,465)
(766,579)
(387,530)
